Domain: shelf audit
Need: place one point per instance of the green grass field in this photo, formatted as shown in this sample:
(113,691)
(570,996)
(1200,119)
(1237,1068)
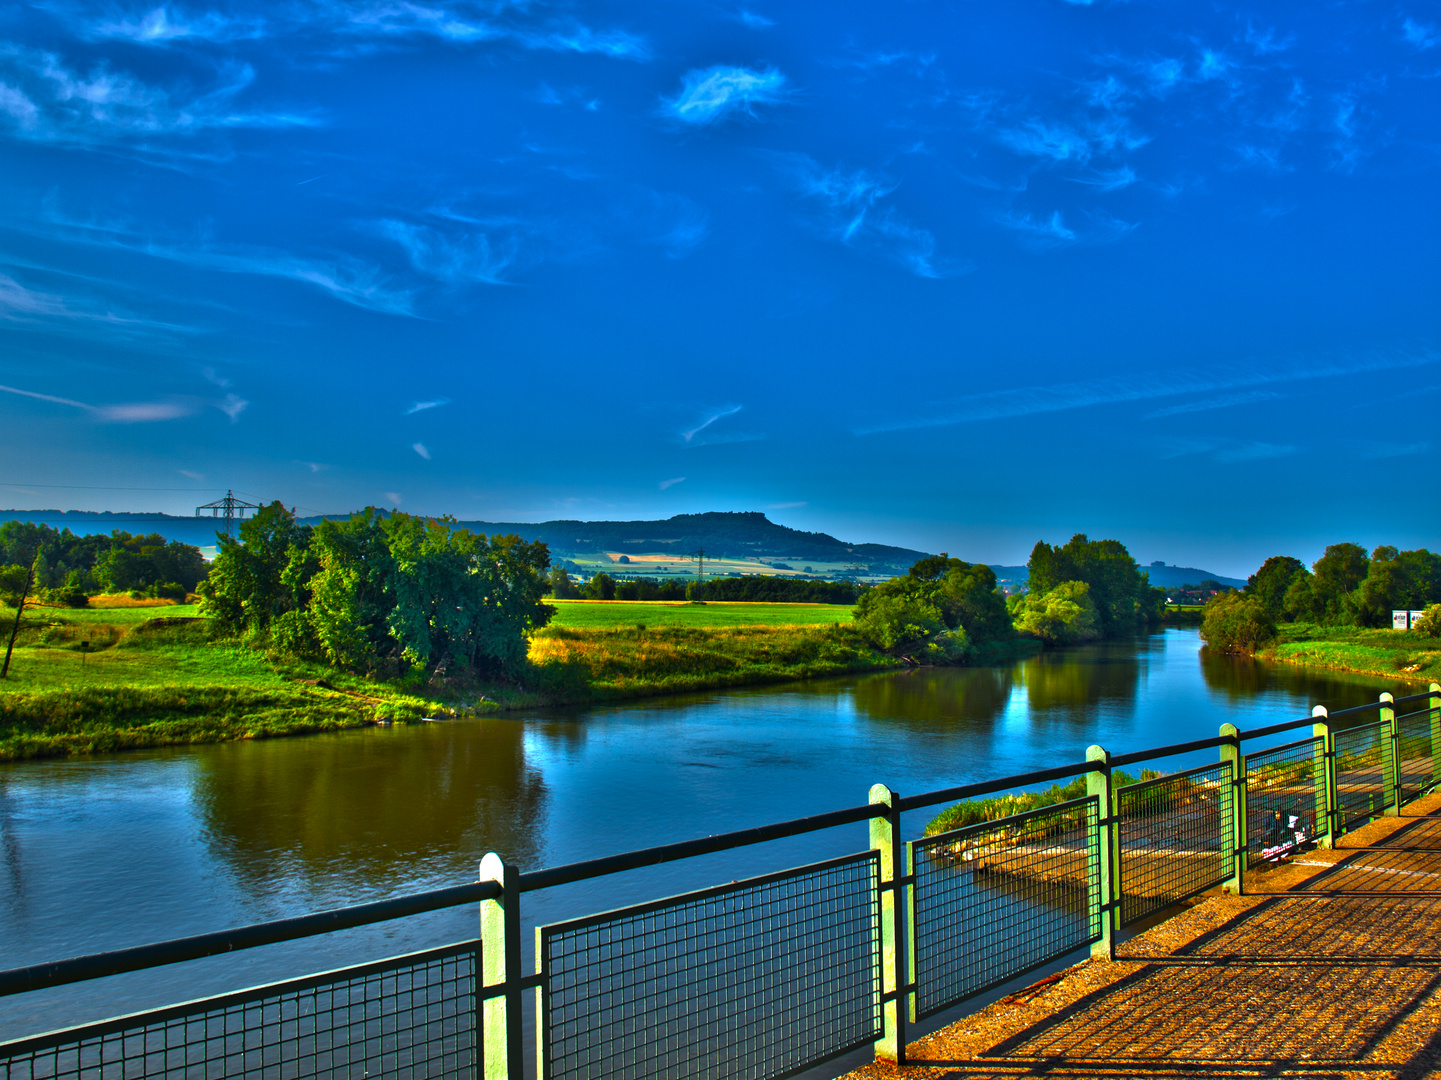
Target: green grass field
(626,614)
(1394,653)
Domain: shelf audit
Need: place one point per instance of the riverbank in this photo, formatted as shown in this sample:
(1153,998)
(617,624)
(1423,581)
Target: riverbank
(1394,654)
(105,680)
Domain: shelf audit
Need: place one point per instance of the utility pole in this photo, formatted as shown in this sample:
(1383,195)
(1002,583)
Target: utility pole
(19,609)
(230,508)
(700,576)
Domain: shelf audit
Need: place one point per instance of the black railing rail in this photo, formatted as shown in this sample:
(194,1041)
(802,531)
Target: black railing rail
(179,950)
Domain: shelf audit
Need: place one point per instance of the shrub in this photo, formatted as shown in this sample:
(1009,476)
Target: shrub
(1429,624)
(1236,623)
(1064,616)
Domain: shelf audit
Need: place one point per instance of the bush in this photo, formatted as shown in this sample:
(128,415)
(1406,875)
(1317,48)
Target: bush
(1236,623)
(1064,616)
(1429,624)
(890,622)
(68,595)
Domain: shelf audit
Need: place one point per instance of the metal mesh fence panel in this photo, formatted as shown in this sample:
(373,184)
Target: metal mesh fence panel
(995,900)
(411,1016)
(1363,773)
(1414,753)
(1174,833)
(1282,809)
(754,979)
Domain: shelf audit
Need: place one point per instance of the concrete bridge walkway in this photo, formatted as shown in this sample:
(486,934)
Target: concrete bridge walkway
(1329,967)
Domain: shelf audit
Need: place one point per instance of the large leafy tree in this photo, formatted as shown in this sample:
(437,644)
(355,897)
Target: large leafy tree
(1395,579)
(245,589)
(1268,585)
(1339,570)
(938,594)
(1120,591)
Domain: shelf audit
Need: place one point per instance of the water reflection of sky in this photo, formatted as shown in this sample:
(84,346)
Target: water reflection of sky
(108,852)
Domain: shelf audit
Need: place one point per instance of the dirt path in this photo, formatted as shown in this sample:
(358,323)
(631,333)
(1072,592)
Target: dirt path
(1330,967)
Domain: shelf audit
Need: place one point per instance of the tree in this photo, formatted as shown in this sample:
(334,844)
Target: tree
(1335,574)
(1066,615)
(1235,622)
(1299,603)
(600,587)
(1118,587)
(20,606)
(1404,580)
(1268,585)
(561,587)
(246,588)
(939,594)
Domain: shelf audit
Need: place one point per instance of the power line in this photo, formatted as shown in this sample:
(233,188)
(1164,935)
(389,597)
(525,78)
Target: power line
(101,487)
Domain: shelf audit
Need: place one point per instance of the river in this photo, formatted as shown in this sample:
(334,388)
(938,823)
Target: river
(103,852)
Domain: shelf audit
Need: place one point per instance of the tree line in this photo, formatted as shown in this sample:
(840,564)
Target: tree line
(1344,587)
(1082,591)
(70,568)
(382,593)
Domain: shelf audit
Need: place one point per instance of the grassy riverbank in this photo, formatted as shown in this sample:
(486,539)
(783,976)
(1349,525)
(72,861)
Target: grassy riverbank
(1391,653)
(103,679)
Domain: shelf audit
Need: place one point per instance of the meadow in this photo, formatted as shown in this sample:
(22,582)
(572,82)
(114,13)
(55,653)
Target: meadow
(617,614)
(129,675)
(1391,653)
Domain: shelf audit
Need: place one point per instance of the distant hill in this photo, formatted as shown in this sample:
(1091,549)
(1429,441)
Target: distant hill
(1169,577)
(722,535)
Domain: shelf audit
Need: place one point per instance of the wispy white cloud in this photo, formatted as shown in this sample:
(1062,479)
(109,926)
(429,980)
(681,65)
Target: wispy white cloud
(42,99)
(1376,451)
(1040,230)
(672,482)
(717,92)
(325,24)
(452,257)
(1107,179)
(1422,35)
(1059,397)
(1226,451)
(393,497)
(851,213)
(785,505)
(420,448)
(190,474)
(135,412)
(421,406)
(1225,401)
(164,24)
(719,414)
(755,21)
(75,315)
(1266,41)
(343,277)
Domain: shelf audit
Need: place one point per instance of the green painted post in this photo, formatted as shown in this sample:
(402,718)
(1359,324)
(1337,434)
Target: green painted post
(1324,771)
(1108,902)
(1231,751)
(500,966)
(1435,733)
(885,839)
(1391,780)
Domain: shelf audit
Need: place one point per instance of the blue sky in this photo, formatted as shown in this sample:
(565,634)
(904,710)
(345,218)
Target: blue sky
(954,276)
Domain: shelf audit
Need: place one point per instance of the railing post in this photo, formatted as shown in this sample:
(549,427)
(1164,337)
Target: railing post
(1324,771)
(1391,780)
(886,840)
(1231,751)
(1108,902)
(502,1057)
(1435,707)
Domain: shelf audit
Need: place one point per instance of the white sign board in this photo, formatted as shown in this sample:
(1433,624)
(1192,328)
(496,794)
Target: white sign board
(1415,618)
(1399,620)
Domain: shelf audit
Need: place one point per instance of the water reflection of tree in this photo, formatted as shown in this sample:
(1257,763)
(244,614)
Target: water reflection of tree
(932,695)
(1079,678)
(370,806)
(1243,677)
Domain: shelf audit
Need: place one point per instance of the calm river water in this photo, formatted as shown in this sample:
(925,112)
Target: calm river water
(106,852)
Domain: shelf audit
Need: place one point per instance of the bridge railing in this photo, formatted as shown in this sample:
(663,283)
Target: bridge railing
(767,976)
